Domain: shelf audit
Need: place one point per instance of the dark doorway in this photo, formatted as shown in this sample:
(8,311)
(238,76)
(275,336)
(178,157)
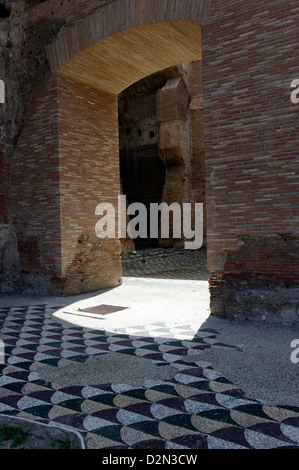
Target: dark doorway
(142,171)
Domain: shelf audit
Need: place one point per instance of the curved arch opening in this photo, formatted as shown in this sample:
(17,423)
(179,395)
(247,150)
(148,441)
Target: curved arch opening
(117,61)
(89,85)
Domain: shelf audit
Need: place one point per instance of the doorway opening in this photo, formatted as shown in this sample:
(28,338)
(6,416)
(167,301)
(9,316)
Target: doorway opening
(161,150)
(90,85)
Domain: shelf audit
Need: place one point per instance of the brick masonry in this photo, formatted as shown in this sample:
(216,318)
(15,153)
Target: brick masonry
(249,61)
(251,145)
(88,175)
(34,188)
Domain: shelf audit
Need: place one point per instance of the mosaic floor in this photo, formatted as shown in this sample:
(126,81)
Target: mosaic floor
(167,264)
(196,409)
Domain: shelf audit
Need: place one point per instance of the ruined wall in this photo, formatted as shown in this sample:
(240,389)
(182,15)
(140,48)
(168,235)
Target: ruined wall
(162,140)
(25,31)
(141,170)
(174,146)
(260,279)
(181,139)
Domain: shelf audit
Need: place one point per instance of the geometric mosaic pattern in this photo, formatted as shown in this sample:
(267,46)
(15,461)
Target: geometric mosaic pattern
(197,409)
(172,263)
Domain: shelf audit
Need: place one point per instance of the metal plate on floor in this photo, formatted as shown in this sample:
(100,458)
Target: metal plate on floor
(103,309)
(97,311)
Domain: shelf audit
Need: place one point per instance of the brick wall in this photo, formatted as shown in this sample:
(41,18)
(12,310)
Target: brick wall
(89,175)
(249,61)
(34,191)
(24,35)
(66,164)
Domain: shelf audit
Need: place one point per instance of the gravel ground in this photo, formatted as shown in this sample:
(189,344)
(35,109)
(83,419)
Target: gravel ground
(263,366)
(167,264)
(37,436)
(106,366)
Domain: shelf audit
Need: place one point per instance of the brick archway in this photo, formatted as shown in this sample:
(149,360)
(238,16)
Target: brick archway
(92,61)
(250,154)
(121,59)
(88,85)
(95,58)
(89,22)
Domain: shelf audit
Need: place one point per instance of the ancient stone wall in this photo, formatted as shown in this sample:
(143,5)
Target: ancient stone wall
(141,170)
(181,139)
(162,141)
